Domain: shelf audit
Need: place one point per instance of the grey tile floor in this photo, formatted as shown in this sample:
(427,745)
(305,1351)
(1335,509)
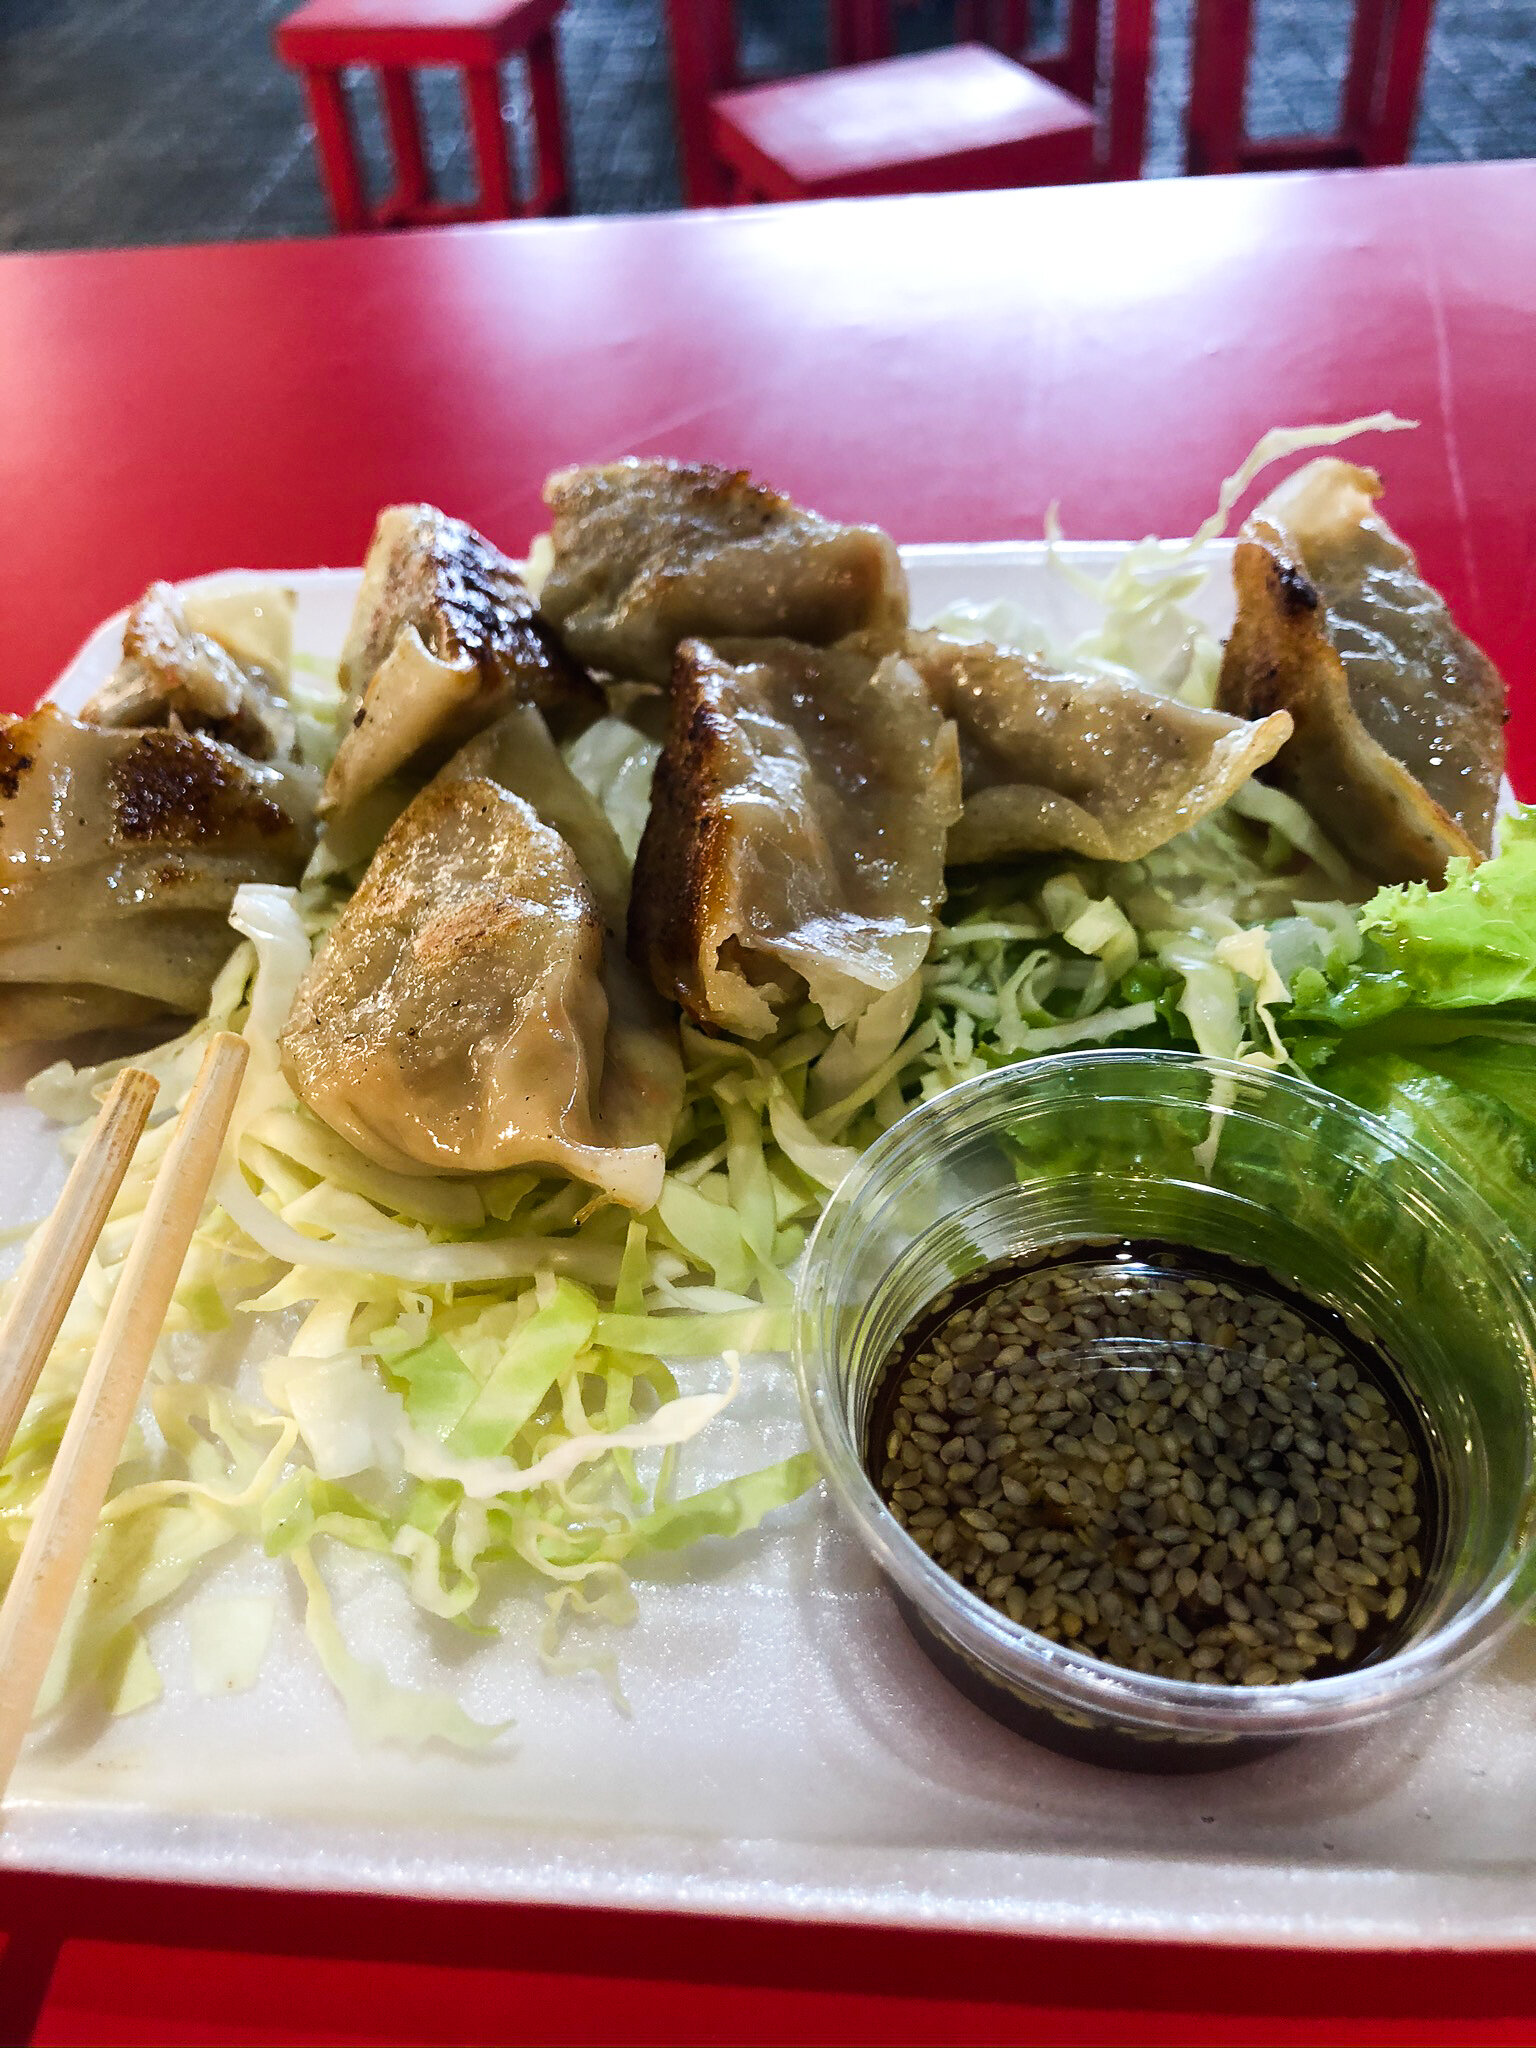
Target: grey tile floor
(128,121)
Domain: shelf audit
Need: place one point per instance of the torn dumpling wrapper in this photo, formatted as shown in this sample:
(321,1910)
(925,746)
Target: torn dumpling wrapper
(217,663)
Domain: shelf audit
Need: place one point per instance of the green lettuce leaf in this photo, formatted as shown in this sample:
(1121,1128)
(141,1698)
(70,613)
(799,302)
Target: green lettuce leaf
(1469,945)
(1433,1029)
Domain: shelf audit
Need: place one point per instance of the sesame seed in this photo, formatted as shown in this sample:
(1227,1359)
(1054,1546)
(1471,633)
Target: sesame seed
(1172,1475)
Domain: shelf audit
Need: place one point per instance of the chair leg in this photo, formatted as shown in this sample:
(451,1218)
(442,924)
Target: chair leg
(338,150)
(550,185)
(1010,27)
(1079,70)
(488,137)
(1130,70)
(403,122)
(703,38)
(1379,113)
(1217,88)
(862,30)
(1002,23)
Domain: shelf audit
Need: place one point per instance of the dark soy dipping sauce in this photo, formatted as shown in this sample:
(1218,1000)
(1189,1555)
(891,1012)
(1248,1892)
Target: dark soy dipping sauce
(1278,1519)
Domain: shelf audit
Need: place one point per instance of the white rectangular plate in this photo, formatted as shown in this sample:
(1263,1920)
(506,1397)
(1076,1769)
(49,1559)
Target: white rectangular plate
(790,1752)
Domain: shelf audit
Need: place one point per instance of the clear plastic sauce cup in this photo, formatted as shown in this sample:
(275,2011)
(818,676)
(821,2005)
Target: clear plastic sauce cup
(1237,1164)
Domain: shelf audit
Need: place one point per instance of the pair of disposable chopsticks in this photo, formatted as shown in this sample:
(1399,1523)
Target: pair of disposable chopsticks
(37,1600)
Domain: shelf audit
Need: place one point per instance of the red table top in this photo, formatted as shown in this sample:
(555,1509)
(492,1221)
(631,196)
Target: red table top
(946,367)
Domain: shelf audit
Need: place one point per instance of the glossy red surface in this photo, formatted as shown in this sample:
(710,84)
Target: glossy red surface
(942,121)
(947,367)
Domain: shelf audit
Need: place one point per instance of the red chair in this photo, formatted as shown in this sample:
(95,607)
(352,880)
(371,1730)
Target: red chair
(1381,91)
(395,37)
(950,120)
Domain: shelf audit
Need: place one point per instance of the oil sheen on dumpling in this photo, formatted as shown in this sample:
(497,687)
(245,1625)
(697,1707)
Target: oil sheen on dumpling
(1399,746)
(796,836)
(1058,762)
(457,1019)
(647,554)
(518,753)
(218,664)
(444,637)
(120,855)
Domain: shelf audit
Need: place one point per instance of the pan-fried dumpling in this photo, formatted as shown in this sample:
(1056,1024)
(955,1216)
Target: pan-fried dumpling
(120,855)
(444,637)
(1055,762)
(648,554)
(796,836)
(214,664)
(457,1019)
(1399,746)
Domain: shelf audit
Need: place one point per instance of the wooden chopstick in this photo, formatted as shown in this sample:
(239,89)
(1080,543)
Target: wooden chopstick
(47,1281)
(37,1600)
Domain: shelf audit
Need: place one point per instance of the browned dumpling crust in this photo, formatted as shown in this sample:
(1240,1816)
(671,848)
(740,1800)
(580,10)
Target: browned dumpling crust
(120,855)
(460,1017)
(796,838)
(1399,743)
(650,553)
(1055,761)
(218,665)
(444,638)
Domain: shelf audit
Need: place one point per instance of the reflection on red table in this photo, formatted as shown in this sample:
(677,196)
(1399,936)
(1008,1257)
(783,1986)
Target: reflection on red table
(946,367)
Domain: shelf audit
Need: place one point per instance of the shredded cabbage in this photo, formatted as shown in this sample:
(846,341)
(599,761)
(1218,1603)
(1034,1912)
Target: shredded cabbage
(1190,946)
(229,1638)
(616,763)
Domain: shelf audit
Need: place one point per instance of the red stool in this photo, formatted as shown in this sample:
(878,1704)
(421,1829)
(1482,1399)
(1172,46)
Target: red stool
(1381,91)
(962,117)
(947,121)
(393,37)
